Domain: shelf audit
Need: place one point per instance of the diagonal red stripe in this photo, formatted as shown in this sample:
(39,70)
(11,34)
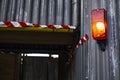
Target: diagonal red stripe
(78,44)
(51,26)
(65,26)
(36,25)
(23,24)
(86,36)
(82,40)
(9,24)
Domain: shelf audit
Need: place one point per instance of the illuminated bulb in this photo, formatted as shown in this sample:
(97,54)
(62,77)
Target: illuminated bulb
(100,25)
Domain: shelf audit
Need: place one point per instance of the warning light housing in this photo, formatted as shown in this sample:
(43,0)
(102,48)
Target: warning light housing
(99,24)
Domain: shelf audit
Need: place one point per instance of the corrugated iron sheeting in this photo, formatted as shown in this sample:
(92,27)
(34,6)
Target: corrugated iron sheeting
(92,63)
(40,11)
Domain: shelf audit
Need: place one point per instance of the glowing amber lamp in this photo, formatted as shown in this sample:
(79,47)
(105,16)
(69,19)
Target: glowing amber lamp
(99,24)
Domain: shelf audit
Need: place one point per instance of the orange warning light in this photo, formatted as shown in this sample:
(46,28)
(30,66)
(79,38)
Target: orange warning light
(99,24)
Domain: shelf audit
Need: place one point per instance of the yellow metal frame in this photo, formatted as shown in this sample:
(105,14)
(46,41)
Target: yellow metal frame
(36,35)
(36,29)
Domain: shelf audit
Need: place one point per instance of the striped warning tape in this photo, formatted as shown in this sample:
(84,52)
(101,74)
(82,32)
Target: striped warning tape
(24,24)
(82,40)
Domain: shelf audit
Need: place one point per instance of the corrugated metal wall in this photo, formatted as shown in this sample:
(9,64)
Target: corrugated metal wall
(97,64)
(40,11)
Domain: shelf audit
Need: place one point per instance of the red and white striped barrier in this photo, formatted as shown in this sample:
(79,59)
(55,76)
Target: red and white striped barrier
(82,40)
(24,24)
